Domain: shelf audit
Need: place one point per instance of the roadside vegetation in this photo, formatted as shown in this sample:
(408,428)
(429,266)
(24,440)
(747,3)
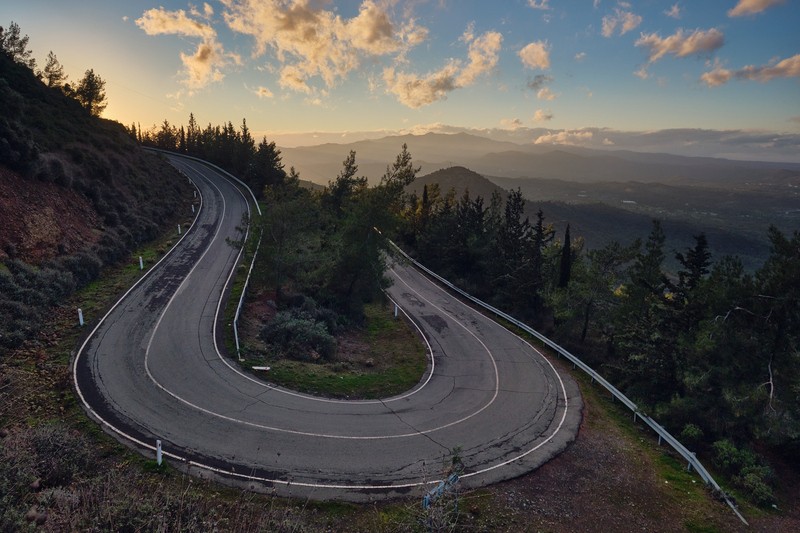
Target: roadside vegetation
(711,350)
(76,195)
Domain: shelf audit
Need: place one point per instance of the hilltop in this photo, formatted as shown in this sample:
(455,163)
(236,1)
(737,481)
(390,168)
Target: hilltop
(76,194)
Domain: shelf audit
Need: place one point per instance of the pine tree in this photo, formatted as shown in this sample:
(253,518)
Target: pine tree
(53,72)
(565,267)
(15,45)
(91,93)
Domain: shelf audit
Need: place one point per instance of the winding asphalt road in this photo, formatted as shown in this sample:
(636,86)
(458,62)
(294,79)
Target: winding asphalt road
(152,369)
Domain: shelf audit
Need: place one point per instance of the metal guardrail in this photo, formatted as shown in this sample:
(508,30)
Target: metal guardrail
(690,457)
(215,167)
(241,297)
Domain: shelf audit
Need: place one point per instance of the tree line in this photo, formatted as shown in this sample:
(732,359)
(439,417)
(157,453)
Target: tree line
(231,148)
(89,91)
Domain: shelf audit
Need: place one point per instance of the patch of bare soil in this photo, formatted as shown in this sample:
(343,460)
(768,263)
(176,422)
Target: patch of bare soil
(39,223)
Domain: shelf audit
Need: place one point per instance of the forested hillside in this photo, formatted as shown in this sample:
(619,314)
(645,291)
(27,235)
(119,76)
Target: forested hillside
(76,194)
(709,350)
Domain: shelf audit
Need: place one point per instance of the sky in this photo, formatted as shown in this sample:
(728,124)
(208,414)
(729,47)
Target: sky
(711,77)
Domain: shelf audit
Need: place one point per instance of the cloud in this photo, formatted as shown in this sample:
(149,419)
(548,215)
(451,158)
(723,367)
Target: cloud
(786,68)
(204,65)
(674,11)
(511,123)
(580,56)
(542,116)
(483,55)
(565,137)
(540,4)
(624,20)
(751,7)
(680,44)
(415,91)
(546,94)
(794,119)
(263,92)
(312,42)
(162,22)
(539,81)
(536,55)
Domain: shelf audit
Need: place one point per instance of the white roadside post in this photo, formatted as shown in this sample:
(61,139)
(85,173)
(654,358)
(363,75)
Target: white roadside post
(158,452)
(80,317)
(192,208)
(179,229)
(141,263)
(395,310)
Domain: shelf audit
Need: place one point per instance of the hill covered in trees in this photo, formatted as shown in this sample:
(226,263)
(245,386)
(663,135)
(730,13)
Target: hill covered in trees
(76,194)
(706,348)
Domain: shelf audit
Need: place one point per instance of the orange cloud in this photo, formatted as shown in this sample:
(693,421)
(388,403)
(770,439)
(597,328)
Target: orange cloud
(786,68)
(751,7)
(624,20)
(310,41)
(415,91)
(205,64)
(680,44)
(536,55)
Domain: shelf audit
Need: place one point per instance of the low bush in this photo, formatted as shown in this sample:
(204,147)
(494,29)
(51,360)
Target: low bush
(747,470)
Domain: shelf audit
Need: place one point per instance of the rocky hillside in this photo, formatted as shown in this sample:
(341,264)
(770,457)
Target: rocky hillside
(76,194)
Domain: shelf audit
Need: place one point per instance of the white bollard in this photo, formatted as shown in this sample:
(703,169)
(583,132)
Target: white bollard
(80,317)
(141,263)
(395,310)
(158,452)
(195,193)
(192,208)
(179,229)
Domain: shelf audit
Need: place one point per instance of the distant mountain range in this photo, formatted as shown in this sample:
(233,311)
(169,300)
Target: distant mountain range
(599,223)
(604,195)
(434,151)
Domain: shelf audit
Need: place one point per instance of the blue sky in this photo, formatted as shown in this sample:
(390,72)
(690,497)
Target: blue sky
(385,65)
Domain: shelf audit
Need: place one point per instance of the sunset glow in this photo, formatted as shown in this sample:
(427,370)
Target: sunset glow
(305,66)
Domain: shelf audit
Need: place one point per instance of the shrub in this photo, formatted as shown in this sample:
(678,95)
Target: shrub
(691,434)
(748,471)
(299,337)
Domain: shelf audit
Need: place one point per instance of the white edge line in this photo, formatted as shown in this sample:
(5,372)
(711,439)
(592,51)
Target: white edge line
(277,481)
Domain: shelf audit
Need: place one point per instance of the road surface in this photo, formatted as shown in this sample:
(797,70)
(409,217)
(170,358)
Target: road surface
(152,370)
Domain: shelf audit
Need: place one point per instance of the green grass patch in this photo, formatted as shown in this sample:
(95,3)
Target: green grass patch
(397,360)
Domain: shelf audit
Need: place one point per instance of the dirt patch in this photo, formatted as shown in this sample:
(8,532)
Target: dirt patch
(45,221)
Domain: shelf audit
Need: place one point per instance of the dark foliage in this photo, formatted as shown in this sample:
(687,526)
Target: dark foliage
(709,350)
(46,136)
